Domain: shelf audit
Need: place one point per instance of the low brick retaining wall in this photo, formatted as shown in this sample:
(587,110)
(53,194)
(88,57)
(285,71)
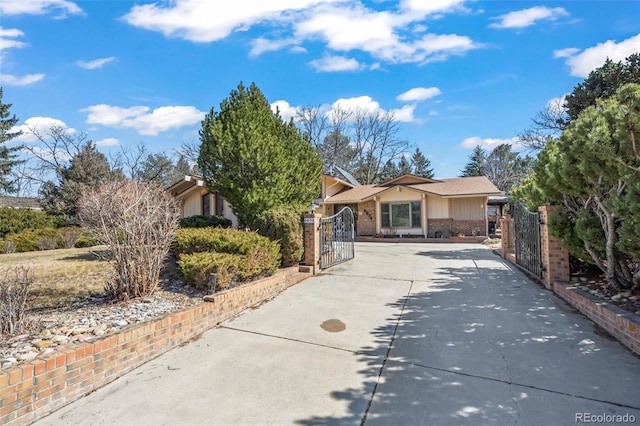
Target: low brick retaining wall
(33,389)
(623,325)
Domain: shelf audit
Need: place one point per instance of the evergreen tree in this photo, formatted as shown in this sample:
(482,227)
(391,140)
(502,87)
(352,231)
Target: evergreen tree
(255,159)
(404,166)
(389,171)
(505,168)
(421,165)
(88,168)
(476,164)
(7,154)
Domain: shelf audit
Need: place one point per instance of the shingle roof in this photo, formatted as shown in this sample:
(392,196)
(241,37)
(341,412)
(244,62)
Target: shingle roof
(476,185)
(456,187)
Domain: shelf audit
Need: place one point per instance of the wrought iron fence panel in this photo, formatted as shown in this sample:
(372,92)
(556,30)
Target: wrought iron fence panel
(336,238)
(527,239)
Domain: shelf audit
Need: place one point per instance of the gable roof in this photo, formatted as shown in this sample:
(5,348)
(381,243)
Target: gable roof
(477,186)
(407,179)
(188,182)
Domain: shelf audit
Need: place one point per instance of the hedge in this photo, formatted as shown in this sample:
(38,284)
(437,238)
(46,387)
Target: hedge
(233,255)
(205,222)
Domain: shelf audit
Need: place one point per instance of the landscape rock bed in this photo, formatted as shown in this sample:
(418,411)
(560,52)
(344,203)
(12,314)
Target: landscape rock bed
(90,318)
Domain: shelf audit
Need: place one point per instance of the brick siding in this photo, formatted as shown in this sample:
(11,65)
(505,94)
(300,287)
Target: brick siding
(34,389)
(367,218)
(452,228)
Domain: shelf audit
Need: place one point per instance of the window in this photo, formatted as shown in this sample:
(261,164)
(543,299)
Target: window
(219,205)
(401,215)
(206,204)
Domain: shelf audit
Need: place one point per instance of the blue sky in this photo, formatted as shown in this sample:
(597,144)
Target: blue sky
(456,73)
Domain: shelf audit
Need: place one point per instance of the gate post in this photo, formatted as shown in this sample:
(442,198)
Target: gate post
(555,259)
(312,241)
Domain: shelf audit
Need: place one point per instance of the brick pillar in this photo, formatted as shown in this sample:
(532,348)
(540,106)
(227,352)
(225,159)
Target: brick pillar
(312,241)
(555,259)
(506,239)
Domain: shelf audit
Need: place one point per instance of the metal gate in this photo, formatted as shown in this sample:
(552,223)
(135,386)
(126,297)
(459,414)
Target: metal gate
(527,239)
(336,238)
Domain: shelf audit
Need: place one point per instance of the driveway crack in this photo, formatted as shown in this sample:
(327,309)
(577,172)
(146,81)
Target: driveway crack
(386,356)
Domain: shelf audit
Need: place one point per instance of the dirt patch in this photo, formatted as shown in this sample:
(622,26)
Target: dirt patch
(591,280)
(333,326)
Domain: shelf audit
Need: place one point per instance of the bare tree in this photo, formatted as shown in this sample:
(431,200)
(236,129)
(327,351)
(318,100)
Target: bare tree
(14,290)
(546,125)
(312,120)
(375,141)
(138,222)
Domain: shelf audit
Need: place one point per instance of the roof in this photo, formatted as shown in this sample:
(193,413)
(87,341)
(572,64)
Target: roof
(348,176)
(188,182)
(477,186)
(20,202)
(456,187)
(407,179)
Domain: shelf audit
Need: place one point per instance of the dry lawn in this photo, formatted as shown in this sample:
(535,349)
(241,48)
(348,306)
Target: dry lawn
(60,275)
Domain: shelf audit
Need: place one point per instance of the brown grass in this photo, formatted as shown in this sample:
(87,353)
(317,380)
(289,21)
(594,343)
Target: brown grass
(60,275)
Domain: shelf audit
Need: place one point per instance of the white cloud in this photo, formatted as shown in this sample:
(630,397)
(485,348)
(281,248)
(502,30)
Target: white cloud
(38,7)
(287,112)
(96,63)
(581,64)
(556,105)
(489,143)
(360,103)
(388,35)
(41,126)
(207,21)
(431,6)
(7,36)
(404,114)
(140,119)
(419,94)
(108,142)
(330,63)
(25,80)
(527,17)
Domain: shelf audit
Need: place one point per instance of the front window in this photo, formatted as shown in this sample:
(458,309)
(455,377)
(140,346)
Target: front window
(401,215)
(206,204)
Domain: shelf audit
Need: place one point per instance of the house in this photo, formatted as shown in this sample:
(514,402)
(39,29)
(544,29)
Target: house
(20,202)
(197,200)
(411,205)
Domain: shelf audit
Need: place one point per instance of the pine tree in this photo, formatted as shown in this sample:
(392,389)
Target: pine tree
(87,169)
(389,171)
(476,164)
(255,159)
(7,154)
(404,166)
(421,165)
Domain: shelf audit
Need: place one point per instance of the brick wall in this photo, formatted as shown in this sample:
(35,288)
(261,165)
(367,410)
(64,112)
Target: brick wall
(367,218)
(623,325)
(33,389)
(451,228)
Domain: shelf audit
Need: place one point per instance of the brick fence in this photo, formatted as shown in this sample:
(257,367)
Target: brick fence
(623,325)
(33,389)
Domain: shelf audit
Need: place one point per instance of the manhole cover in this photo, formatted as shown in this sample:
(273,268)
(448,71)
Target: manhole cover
(333,326)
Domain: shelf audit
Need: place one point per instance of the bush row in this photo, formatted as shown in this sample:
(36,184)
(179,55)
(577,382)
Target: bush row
(15,220)
(45,239)
(233,255)
(283,225)
(205,222)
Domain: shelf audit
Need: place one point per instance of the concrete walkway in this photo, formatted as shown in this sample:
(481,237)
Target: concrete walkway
(406,334)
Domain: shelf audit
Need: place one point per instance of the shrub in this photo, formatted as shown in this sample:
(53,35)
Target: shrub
(138,221)
(8,247)
(16,220)
(232,254)
(203,221)
(285,226)
(69,236)
(32,240)
(14,290)
(86,240)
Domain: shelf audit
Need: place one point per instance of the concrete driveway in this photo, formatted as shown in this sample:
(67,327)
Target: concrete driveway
(405,334)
